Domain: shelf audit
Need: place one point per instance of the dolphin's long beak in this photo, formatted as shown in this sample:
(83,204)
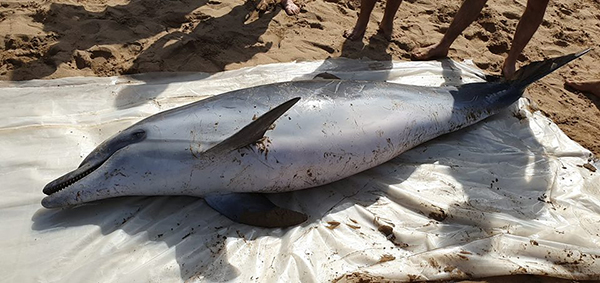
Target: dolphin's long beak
(92,162)
(71,177)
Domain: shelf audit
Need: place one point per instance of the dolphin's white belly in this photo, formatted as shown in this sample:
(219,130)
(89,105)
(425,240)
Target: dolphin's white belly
(319,141)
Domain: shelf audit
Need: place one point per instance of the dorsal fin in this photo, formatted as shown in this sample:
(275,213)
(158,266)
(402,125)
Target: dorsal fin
(326,76)
(255,130)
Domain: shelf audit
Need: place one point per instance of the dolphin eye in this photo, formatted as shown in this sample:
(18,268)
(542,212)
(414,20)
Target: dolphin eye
(138,135)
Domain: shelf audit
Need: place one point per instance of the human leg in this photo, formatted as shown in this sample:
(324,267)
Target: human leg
(528,25)
(366,7)
(467,13)
(592,87)
(387,23)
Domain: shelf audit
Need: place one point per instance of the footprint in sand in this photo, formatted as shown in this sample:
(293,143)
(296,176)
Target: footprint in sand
(498,48)
(93,57)
(511,15)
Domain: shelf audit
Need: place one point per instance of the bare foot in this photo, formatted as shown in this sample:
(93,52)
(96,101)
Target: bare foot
(508,70)
(290,7)
(262,6)
(592,87)
(386,31)
(355,34)
(435,51)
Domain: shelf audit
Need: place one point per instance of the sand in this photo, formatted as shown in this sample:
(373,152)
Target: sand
(54,38)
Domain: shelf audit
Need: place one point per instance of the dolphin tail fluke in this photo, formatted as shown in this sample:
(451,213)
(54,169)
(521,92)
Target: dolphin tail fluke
(537,70)
(255,210)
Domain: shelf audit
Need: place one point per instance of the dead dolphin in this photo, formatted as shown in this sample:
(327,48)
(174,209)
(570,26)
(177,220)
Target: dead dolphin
(280,137)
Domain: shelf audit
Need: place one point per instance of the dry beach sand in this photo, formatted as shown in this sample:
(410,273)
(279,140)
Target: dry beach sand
(60,38)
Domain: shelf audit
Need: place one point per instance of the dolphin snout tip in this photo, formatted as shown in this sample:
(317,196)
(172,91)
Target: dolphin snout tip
(48,202)
(55,202)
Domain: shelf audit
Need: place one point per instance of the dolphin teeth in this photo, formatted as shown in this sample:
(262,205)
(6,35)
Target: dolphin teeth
(69,182)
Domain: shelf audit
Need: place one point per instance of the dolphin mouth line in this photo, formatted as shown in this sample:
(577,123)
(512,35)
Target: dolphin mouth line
(67,180)
(93,161)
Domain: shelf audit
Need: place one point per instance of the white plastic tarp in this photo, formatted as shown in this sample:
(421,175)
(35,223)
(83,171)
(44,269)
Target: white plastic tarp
(509,195)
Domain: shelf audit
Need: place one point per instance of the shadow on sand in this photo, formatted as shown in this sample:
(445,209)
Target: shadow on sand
(86,35)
